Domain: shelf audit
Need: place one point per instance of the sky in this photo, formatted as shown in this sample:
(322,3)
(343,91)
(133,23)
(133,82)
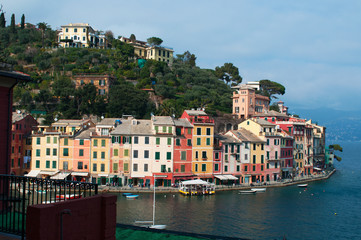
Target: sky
(313,48)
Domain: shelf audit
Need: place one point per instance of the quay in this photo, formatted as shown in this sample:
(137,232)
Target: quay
(271,184)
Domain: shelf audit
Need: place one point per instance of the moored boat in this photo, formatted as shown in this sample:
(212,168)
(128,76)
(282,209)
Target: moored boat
(127,194)
(247,191)
(302,185)
(259,189)
(132,196)
(68,196)
(196,187)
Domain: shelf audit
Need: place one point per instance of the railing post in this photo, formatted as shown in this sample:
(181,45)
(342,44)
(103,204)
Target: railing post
(24,180)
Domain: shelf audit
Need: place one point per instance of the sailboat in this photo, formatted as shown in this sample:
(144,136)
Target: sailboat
(151,224)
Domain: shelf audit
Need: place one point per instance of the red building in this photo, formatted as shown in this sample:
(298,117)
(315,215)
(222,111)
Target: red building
(22,125)
(182,160)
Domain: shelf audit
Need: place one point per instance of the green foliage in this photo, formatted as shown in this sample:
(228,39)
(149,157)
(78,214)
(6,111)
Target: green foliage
(228,73)
(132,38)
(269,88)
(12,23)
(187,58)
(154,41)
(274,107)
(2,20)
(22,24)
(336,147)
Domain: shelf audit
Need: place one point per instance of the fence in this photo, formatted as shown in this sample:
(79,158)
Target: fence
(19,192)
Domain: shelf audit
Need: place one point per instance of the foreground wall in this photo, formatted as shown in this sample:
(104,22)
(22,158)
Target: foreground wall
(89,218)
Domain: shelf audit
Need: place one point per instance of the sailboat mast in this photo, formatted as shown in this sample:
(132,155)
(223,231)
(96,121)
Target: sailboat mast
(154,201)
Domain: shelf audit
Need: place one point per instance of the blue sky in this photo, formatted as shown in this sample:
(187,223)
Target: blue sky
(313,48)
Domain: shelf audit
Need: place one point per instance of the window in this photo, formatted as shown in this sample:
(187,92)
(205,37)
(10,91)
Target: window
(81,142)
(196,154)
(95,155)
(126,167)
(169,155)
(238,168)
(208,141)
(254,158)
(103,143)
(262,158)
(196,167)
(254,146)
(267,156)
(145,167)
(66,30)
(246,145)
(37,164)
(38,152)
(169,129)
(47,164)
(199,131)
(208,131)
(226,158)
(146,140)
(102,167)
(80,165)
(157,141)
(47,139)
(135,140)
(48,152)
(81,152)
(261,167)
(226,149)
(157,155)
(189,130)
(254,168)
(189,142)
(55,151)
(102,155)
(183,168)
(115,152)
(95,167)
(146,153)
(204,154)
(183,155)
(126,152)
(135,153)
(177,142)
(245,168)
(95,143)
(262,147)
(164,128)
(65,165)
(65,152)
(276,155)
(216,167)
(38,141)
(12,162)
(156,129)
(169,141)
(245,156)
(75,30)
(276,165)
(66,141)
(55,140)
(267,165)
(226,168)
(216,155)
(204,167)
(115,166)
(198,141)
(163,168)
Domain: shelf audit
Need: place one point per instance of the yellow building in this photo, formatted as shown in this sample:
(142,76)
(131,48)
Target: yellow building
(66,153)
(81,35)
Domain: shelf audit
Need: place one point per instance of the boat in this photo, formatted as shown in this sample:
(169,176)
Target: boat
(302,185)
(259,189)
(196,187)
(127,193)
(151,224)
(67,196)
(247,191)
(132,196)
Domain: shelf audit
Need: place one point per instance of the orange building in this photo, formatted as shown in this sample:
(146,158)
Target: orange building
(101,82)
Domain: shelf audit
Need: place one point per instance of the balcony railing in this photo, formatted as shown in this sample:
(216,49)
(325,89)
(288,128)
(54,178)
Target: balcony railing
(18,192)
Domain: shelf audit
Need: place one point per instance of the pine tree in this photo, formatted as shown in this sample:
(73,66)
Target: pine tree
(2,20)
(23,21)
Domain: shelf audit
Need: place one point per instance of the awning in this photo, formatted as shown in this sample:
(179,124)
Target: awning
(221,177)
(50,173)
(134,175)
(103,175)
(231,177)
(80,174)
(33,173)
(60,176)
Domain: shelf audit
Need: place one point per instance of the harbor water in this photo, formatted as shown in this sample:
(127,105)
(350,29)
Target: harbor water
(327,209)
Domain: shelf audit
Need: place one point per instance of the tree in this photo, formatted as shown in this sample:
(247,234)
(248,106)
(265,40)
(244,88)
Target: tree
(109,35)
(132,38)
(23,21)
(274,107)
(2,20)
(187,58)
(154,41)
(269,89)
(43,27)
(228,73)
(336,147)
(12,23)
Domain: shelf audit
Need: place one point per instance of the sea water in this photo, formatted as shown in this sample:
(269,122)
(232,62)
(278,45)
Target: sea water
(327,209)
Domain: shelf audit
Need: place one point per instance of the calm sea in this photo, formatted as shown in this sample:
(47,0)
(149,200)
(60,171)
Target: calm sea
(329,209)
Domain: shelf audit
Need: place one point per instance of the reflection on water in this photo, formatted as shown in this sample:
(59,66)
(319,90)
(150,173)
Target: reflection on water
(326,209)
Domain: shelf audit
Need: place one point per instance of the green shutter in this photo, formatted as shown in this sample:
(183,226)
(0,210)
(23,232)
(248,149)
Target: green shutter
(113,139)
(169,141)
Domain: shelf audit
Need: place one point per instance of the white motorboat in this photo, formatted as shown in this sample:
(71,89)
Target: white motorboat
(302,185)
(259,189)
(247,192)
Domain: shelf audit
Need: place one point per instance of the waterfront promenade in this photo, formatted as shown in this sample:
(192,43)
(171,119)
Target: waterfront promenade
(280,183)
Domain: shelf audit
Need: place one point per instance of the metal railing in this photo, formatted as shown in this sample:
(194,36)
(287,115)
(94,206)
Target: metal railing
(19,192)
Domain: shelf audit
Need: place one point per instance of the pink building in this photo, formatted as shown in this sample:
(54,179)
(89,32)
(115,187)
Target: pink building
(246,103)
(81,154)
